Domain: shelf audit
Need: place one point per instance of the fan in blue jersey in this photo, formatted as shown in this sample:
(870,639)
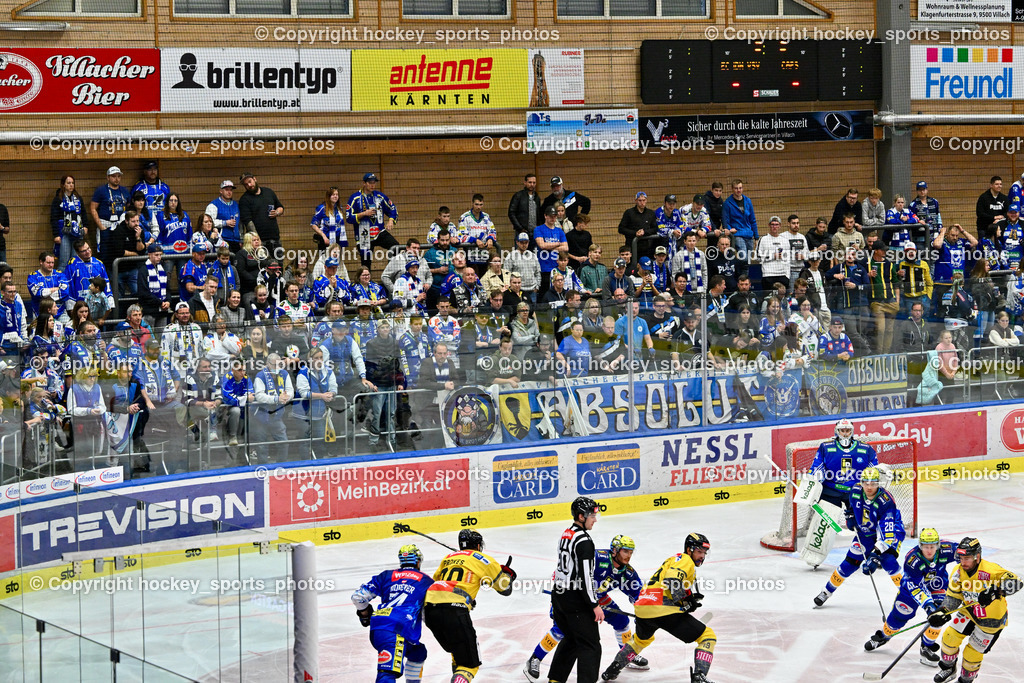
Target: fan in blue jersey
(365,289)
(612,571)
(83,268)
(156,190)
(224,212)
(328,222)
(415,346)
(1013,237)
(395,625)
(929,217)
(193,274)
(330,286)
(670,222)
(48,283)
(174,227)
(898,220)
(874,517)
(925,580)
(574,354)
(66,219)
(369,211)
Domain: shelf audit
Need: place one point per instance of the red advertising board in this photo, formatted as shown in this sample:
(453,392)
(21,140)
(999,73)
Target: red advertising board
(100,80)
(1011,431)
(8,543)
(298,496)
(939,436)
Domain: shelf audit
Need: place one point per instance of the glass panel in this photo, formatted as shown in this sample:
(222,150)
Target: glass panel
(338,8)
(110,6)
(52,7)
(757,8)
(412,8)
(633,8)
(581,8)
(683,8)
(272,7)
(202,6)
(19,645)
(482,8)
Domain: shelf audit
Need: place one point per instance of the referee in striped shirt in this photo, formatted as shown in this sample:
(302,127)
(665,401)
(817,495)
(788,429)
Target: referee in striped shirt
(574,599)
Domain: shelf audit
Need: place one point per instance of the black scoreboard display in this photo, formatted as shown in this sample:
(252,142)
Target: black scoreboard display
(769,70)
(676,71)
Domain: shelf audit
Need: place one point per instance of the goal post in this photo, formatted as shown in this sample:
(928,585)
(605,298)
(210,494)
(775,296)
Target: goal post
(899,456)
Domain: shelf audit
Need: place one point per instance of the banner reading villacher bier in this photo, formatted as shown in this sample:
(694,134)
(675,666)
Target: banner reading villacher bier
(267,80)
(101,80)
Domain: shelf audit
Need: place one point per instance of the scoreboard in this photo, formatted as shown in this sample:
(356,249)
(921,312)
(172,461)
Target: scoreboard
(705,71)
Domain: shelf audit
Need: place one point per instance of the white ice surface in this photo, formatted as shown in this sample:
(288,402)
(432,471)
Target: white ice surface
(763,635)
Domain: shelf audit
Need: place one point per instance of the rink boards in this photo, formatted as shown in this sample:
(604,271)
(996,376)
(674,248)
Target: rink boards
(356,499)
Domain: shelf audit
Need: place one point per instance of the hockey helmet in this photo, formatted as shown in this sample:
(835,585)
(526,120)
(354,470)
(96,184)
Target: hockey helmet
(968,546)
(697,541)
(928,536)
(470,540)
(844,433)
(409,556)
(584,506)
(622,542)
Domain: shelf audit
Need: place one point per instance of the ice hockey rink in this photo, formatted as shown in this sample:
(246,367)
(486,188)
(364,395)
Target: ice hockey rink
(768,629)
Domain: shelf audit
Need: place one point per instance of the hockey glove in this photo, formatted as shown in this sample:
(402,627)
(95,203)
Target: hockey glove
(871,564)
(692,602)
(930,608)
(937,619)
(364,615)
(850,522)
(989,595)
(508,570)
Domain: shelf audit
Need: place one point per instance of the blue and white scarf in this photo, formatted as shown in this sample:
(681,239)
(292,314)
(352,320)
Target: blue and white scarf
(694,270)
(72,208)
(156,278)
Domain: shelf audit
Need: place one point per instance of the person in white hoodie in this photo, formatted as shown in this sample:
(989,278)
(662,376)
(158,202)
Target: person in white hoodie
(873,210)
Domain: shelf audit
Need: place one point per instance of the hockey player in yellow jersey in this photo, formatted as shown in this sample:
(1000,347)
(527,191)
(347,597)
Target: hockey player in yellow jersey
(453,594)
(976,602)
(666,603)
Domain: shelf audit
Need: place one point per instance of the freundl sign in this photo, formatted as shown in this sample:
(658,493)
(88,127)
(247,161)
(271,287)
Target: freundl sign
(964,73)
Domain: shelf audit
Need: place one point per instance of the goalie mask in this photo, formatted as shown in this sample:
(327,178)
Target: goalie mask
(844,434)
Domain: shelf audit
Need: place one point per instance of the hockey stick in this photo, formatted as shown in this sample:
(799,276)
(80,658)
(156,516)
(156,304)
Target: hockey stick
(912,643)
(405,528)
(705,619)
(814,506)
(871,575)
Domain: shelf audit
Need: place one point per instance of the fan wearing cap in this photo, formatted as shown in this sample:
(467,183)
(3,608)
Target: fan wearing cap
(550,240)
(410,290)
(370,212)
(330,286)
(639,221)
(193,274)
(1013,236)
(695,218)
(929,218)
(523,261)
(396,266)
(108,202)
(225,214)
(670,222)
(575,202)
(156,190)
(661,269)
(976,602)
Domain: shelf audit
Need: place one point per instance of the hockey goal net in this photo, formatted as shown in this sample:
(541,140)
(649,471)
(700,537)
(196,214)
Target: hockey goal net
(898,455)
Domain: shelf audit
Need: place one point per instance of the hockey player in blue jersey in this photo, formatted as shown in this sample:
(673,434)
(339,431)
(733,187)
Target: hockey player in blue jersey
(872,514)
(395,625)
(837,466)
(924,584)
(839,463)
(612,571)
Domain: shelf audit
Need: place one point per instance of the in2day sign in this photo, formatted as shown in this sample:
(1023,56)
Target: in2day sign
(47,80)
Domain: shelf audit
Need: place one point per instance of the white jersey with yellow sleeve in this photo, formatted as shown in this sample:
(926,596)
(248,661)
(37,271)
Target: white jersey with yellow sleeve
(460,575)
(668,587)
(964,589)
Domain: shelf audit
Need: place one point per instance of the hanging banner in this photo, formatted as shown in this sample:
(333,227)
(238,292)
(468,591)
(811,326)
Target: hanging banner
(556,77)
(700,132)
(600,129)
(95,80)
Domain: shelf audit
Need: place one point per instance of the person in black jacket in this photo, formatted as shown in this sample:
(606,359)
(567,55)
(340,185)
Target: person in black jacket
(991,204)
(574,602)
(713,205)
(575,202)
(384,370)
(524,210)
(5,229)
(639,221)
(154,294)
(261,208)
(848,204)
(127,240)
